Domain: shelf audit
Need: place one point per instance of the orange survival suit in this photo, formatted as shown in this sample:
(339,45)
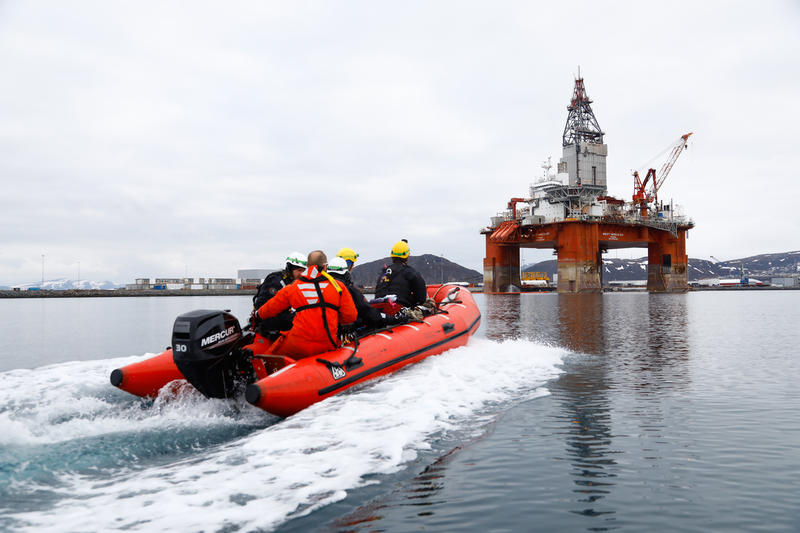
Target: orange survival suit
(319,303)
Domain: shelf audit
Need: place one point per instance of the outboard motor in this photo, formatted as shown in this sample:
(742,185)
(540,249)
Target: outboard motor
(205,349)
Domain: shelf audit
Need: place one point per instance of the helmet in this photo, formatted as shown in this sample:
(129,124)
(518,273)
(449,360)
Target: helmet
(348,254)
(337,267)
(401,249)
(296,259)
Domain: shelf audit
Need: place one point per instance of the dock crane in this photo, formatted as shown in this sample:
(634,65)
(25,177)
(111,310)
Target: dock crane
(642,195)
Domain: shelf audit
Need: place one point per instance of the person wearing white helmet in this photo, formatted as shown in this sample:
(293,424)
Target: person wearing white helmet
(350,257)
(275,281)
(368,316)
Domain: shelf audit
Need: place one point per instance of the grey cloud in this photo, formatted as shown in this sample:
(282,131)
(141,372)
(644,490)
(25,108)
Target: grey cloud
(151,140)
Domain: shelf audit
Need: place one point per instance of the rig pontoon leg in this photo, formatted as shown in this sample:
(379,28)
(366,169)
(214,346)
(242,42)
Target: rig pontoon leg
(500,266)
(578,252)
(667,269)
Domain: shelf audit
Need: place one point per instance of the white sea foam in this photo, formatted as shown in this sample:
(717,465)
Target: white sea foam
(62,402)
(287,469)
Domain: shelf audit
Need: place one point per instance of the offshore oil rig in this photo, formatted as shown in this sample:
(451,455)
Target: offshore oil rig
(570,211)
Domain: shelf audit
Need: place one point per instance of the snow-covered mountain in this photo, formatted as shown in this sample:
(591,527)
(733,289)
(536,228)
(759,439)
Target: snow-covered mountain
(764,265)
(65,284)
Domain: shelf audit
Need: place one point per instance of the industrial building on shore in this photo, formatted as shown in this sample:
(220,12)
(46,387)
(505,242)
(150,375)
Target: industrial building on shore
(246,279)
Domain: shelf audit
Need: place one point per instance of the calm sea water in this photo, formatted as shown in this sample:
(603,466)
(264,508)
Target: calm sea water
(622,411)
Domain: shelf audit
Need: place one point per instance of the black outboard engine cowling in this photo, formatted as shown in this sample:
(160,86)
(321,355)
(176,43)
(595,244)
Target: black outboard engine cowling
(205,348)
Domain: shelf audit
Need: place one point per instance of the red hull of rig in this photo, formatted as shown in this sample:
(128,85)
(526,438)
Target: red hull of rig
(579,245)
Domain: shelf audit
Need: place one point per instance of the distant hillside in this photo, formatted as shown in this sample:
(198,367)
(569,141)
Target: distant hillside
(433,268)
(764,265)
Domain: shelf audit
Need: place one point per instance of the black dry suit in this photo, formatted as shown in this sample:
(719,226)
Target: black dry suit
(367,315)
(404,282)
(274,282)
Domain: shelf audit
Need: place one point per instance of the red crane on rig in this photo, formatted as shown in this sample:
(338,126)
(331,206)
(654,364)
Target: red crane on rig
(642,196)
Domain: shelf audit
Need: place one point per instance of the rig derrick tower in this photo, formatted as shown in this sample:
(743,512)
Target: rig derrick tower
(583,160)
(581,128)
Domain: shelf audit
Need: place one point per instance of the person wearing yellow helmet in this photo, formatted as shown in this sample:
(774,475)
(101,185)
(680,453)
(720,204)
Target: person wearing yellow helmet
(400,279)
(349,255)
(401,249)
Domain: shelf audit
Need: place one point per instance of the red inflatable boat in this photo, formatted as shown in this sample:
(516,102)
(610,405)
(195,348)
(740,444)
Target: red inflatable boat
(210,351)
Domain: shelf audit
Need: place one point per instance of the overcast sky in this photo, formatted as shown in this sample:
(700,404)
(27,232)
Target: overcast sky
(157,139)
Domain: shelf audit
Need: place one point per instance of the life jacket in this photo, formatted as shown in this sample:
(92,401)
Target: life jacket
(319,302)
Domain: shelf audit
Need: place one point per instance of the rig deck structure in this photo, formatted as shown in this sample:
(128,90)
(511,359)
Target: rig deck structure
(571,213)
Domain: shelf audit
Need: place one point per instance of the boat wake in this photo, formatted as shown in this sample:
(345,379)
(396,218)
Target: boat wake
(78,454)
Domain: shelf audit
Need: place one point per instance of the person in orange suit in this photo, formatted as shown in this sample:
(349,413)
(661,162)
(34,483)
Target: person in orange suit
(320,303)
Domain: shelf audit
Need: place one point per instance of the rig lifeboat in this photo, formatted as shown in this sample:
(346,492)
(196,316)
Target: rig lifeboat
(210,351)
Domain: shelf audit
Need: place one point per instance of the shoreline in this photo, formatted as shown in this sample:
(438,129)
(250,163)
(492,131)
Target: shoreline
(122,293)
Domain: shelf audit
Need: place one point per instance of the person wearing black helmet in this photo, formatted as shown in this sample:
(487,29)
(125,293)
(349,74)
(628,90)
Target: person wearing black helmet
(275,281)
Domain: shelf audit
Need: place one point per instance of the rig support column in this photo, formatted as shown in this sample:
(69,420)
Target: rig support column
(578,253)
(667,269)
(500,266)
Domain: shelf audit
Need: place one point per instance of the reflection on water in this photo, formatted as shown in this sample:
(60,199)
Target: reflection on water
(639,343)
(501,316)
(623,342)
(417,494)
(585,408)
(580,322)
